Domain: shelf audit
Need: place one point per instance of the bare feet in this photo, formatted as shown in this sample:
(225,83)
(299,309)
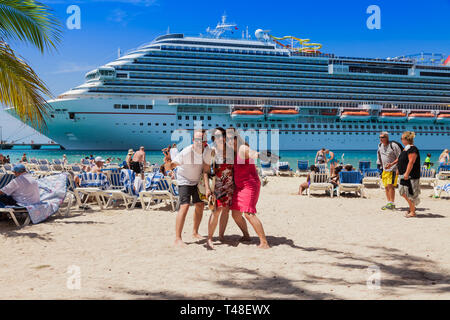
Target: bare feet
(264,246)
(197,236)
(222,239)
(180,243)
(210,244)
(410,215)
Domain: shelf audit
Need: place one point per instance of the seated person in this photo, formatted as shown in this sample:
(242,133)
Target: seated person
(98,167)
(22,191)
(305,185)
(334,180)
(348,167)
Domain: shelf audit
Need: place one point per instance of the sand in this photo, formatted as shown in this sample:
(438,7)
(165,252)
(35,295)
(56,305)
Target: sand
(322,248)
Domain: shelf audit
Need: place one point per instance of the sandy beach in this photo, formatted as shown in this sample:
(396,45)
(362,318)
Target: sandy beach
(322,248)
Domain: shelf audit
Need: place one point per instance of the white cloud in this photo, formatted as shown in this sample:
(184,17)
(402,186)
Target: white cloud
(71,67)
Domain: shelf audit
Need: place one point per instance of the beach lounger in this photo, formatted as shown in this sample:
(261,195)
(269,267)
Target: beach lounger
(2,170)
(363,165)
(266,169)
(8,167)
(350,181)
(439,189)
(443,172)
(302,167)
(159,188)
(320,182)
(53,193)
(122,187)
(93,185)
(283,169)
(57,168)
(44,162)
(371,176)
(58,162)
(428,176)
(322,168)
(34,161)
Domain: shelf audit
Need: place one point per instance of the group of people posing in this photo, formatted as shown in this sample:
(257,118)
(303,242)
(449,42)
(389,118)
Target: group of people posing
(231,183)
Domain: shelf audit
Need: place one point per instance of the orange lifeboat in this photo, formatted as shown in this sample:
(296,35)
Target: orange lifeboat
(282,114)
(355,116)
(421,117)
(443,118)
(392,116)
(247,115)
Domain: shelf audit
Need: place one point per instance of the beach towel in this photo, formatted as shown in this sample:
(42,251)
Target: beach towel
(94,180)
(52,191)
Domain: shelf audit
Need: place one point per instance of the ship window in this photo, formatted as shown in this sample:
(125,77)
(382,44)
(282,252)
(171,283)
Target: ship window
(286,126)
(141,106)
(319,126)
(313,126)
(125,106)
(156,124)
(245,125)
(202,118)
(259,125)
(209,117)
(172,124)
(251,125)
(293,126)
(266,125)
(149,124)
(338,126)
(148,106)
(186,118)
(164,124)
(194,117)
(179,124)
(141,124)
(187,125)
(133,106)
(117,106)
(179,117)
(299,126)
(280,126)
(306,126)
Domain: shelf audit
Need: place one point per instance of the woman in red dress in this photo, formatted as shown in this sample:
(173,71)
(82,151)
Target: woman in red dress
(247,187)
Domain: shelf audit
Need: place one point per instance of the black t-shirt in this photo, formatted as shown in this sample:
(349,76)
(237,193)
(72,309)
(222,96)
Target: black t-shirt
(403,163)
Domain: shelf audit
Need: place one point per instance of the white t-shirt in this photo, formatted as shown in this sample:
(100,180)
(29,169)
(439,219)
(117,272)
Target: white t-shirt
(173,153)
(24,189)
(190,165)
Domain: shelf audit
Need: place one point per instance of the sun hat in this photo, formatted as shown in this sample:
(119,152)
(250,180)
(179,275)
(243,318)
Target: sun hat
(99,159)
(18,168)
(130,151)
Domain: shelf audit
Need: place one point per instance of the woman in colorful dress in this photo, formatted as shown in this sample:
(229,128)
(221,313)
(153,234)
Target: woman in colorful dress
(247,187)
(222,194)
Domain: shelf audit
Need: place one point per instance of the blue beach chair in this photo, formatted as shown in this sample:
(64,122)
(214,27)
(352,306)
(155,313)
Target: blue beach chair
(122,188)
(443,171)
(371,176)
(266,169)
(93,184)
(302,167)
(363,165)
(351,181)
(283,168)
(159,188)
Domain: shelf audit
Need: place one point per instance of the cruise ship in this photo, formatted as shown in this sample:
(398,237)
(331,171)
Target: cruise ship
(291,94)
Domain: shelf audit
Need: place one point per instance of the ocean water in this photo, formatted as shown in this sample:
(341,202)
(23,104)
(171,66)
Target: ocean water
(74,156)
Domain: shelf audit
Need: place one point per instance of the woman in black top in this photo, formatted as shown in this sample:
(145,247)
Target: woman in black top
(408,164)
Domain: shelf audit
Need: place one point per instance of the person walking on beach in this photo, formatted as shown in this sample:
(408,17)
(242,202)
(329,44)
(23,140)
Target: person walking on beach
(138,162)
(329,158)
(223,185)
(190,164)
(247,187)
(388,152)
(408,164)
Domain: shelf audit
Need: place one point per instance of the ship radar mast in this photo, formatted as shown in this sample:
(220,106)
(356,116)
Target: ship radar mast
(222,27)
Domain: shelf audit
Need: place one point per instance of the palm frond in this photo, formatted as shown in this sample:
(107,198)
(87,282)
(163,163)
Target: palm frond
(29,21)
(21,89)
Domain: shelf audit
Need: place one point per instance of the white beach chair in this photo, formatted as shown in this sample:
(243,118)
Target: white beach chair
(443,172)
(283,169)
(122,187)
(93,185)
(162,188)
(371,177)
(428,176)
(266,169)
(439,189)
(320,182)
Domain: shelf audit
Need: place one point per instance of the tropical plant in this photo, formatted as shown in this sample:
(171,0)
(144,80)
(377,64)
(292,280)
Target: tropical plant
(29,22)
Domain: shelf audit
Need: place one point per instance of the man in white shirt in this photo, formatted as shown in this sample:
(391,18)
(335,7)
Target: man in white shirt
(23,190)
(191,163)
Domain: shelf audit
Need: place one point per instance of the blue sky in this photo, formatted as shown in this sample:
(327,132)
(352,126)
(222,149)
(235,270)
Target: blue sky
(407,27)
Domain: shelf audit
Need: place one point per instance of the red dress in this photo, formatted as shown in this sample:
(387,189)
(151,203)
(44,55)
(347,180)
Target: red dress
(247,186)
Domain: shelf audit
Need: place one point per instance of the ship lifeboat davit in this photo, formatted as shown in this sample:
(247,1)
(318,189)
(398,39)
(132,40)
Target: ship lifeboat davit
(247,115)
(282,114)
(355,116)
(392,116)
(443,118)
(421,117)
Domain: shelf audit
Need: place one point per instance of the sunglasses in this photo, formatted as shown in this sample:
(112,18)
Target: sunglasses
(382,137)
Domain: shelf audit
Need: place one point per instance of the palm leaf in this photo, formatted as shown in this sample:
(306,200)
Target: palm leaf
(22,89)
(29,21)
